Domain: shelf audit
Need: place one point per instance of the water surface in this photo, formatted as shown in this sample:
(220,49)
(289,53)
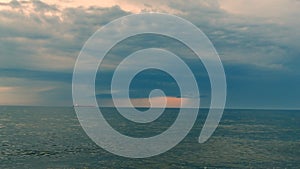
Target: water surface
(51,137)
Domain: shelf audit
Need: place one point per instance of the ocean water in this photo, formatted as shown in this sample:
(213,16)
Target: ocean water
(51,137)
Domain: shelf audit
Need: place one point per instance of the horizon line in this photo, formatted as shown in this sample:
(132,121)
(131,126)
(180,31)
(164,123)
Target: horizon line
(226,108)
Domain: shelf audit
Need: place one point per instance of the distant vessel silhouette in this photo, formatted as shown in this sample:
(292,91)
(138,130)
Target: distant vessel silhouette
(77,105)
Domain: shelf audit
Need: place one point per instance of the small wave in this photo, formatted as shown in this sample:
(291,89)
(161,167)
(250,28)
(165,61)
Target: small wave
(2,126)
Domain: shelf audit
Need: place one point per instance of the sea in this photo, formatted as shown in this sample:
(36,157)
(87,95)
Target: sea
(52,138)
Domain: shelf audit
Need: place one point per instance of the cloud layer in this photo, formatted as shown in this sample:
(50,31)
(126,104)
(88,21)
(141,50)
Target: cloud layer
(257,42)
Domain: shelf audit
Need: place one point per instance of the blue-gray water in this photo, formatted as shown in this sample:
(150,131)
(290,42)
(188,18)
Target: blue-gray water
(49,137)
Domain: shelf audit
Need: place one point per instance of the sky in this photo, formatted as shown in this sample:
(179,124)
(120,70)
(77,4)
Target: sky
(258,43)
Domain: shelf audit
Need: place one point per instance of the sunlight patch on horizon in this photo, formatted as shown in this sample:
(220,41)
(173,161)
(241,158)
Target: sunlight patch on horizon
(157,102)
(16,95)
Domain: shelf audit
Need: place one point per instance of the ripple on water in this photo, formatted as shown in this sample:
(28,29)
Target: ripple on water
(1,126)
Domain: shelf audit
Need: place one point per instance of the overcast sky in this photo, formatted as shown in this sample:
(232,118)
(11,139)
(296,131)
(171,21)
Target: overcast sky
(258,42)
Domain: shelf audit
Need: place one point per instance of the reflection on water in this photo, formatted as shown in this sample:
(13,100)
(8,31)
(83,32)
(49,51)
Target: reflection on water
(44,137)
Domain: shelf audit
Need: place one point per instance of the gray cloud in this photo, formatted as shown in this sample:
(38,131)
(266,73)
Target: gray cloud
(42,47)
(42,43)
(60,34)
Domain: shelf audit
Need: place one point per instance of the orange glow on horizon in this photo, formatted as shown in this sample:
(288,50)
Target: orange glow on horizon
(156,102)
